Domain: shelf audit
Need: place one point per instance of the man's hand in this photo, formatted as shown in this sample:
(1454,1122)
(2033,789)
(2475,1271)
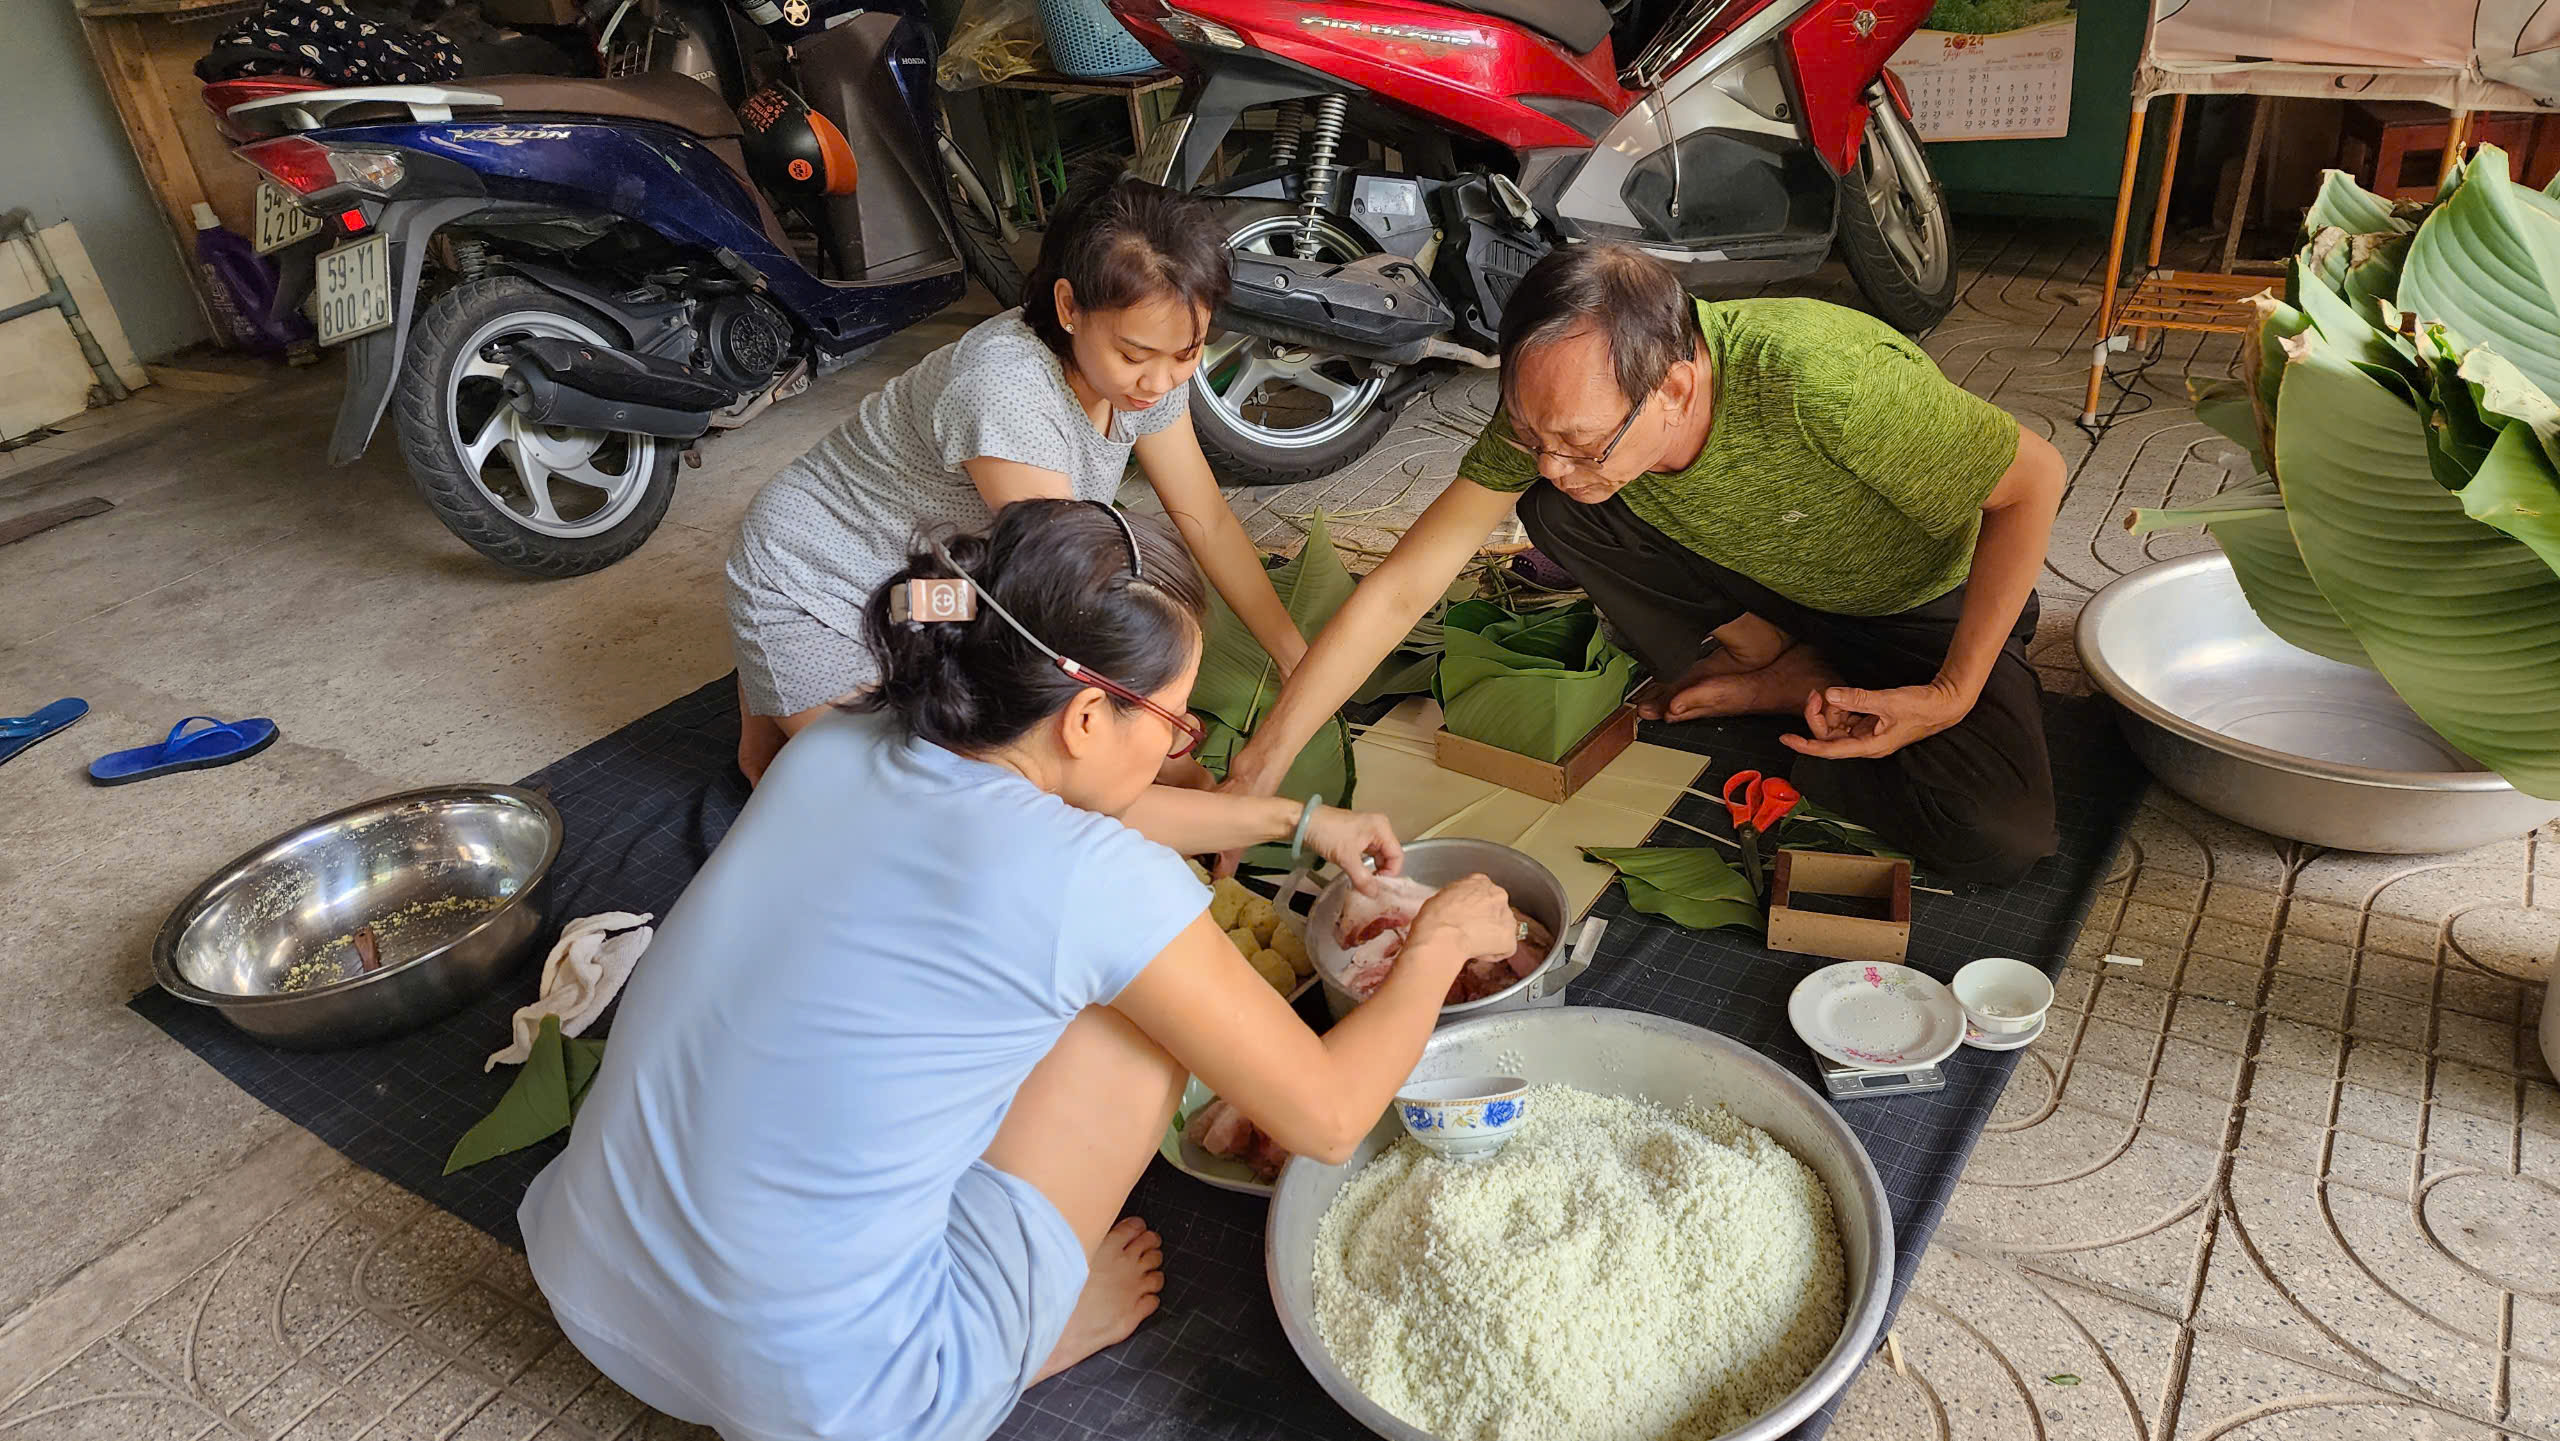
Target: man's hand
(1852,724)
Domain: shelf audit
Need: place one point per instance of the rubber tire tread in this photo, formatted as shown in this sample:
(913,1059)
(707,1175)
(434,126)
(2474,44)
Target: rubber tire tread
(1896,299)
(982,244)
(1239,462)
(418,412)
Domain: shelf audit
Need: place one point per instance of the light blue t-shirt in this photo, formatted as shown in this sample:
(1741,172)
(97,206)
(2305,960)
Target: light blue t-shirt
(772,1198)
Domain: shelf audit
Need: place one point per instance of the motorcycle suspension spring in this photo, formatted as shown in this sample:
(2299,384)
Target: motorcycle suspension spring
(1326,134)
(1288,122)
(471,258)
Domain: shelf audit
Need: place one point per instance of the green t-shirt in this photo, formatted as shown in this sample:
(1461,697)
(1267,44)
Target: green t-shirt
(1843,470)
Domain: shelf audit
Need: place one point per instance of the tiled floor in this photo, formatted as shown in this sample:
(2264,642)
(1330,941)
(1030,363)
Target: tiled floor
(2297,1173)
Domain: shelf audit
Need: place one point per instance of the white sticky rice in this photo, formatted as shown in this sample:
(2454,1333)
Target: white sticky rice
(1616,1273)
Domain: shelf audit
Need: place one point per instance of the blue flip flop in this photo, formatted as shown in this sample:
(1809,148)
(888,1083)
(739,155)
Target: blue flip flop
(18,732)
(218,744)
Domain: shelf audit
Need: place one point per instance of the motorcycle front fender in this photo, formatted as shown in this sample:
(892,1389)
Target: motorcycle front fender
(373,361)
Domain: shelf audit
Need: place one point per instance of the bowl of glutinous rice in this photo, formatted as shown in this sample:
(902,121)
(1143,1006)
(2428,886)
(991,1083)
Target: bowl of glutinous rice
(1682,1241)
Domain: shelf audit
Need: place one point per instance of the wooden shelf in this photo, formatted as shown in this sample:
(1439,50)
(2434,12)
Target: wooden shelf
(175,9)
(2191,300)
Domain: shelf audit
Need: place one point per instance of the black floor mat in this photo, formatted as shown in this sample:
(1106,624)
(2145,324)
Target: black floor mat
(644,806)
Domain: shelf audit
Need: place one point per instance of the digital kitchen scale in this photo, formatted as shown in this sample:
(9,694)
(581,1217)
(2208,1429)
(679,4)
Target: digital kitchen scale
(1851,1083)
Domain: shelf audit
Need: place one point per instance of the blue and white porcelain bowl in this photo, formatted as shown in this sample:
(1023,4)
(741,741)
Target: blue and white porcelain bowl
(1464,1120)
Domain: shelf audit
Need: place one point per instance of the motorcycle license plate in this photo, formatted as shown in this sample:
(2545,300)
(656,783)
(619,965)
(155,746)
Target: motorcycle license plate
(281,222)
(353,290)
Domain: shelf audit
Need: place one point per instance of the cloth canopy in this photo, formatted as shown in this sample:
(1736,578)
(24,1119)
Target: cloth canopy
(2460,54)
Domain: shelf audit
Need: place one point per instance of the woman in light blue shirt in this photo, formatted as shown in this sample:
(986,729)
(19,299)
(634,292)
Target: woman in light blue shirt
(854,1163)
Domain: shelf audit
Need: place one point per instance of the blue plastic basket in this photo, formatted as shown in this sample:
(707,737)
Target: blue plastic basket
(1086,42)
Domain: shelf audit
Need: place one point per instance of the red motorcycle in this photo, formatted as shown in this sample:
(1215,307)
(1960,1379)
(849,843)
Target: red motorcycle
(1418,157)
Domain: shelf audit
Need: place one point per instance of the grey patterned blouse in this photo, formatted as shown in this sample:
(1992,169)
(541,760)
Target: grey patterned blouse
(837,522)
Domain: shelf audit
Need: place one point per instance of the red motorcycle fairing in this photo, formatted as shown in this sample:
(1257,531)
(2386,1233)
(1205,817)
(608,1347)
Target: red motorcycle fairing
(1839,48)
(1454,67)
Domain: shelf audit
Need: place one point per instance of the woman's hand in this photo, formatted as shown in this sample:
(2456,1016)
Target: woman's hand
(1346,838)
(1474,914)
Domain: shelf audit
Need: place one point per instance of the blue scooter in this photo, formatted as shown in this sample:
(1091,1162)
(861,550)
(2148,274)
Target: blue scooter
(556,286)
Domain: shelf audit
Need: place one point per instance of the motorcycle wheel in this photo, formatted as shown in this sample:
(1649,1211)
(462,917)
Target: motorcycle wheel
(981,228)
(1894,232)
(546,500)
(1271,414)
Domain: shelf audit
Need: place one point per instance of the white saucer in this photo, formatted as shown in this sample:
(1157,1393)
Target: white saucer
(1876,1016)
(1982,1040)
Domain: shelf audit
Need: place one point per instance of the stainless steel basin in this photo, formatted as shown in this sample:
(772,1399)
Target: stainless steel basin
(1534,892)
(2276,738)
(1618,1053)
(445,887)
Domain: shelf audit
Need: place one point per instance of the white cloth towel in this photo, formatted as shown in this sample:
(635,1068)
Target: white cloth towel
(583,974)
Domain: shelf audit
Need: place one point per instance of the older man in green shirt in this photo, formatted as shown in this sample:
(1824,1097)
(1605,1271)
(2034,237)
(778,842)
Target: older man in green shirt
(1785,508)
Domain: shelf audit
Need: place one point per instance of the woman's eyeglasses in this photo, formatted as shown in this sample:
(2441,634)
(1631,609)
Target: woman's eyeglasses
(1589,462)
(1188,734)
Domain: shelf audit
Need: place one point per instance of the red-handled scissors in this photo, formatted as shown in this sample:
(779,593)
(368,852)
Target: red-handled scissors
(1762,802)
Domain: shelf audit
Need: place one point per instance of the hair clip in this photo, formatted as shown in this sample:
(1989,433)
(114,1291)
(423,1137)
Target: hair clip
(928,600)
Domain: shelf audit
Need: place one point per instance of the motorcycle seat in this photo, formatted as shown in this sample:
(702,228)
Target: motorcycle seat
(1577,25)
(679,101)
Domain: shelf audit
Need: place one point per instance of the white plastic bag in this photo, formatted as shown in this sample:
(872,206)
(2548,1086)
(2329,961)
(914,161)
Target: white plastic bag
(994,40)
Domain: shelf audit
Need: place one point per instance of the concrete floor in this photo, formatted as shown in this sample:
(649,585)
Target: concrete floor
(2297,1173)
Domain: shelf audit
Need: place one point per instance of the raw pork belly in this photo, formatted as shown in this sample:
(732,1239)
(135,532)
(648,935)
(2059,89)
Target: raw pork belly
(1222,1130)
(1372,931)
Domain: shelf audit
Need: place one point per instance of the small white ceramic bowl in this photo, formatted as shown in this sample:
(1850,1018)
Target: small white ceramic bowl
(1466,1119)
(2002,997)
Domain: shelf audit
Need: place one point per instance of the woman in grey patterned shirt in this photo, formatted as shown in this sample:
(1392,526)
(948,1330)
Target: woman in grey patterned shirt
(1048,401)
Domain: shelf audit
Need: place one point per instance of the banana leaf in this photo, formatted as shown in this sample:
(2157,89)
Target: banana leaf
(2344,205)
(2517,491)
(2464,621)
(2373,274)
(2231,408)
(541,1103)
(1532,684)
(1686,885)
(1238,682)
(1410,668)
(2486,266)
(2248,521)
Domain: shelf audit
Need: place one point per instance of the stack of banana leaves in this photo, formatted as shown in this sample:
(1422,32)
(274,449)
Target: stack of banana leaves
(1532,682)
(2399,404)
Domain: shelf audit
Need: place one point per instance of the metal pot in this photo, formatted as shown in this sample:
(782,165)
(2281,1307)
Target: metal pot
(1617,1053)
(1535,892)
(2228,715)
(453,880)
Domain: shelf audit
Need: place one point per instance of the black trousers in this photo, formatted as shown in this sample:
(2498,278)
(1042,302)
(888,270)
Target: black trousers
(1973,802)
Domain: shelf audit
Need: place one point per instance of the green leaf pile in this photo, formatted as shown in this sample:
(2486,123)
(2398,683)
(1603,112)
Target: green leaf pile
(1535,684)
(1686,885)
(542,1102)
(2400,397)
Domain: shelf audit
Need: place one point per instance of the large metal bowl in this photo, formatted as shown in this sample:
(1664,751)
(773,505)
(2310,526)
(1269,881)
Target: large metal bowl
(2274,737)
(451,880)
(1618,1053)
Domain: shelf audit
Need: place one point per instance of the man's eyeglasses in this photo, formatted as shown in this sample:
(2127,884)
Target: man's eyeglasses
(1593,462)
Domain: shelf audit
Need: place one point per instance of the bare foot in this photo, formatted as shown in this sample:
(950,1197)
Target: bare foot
(1778,688)
(1743,645)
(1120,1292)
(1751,641)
